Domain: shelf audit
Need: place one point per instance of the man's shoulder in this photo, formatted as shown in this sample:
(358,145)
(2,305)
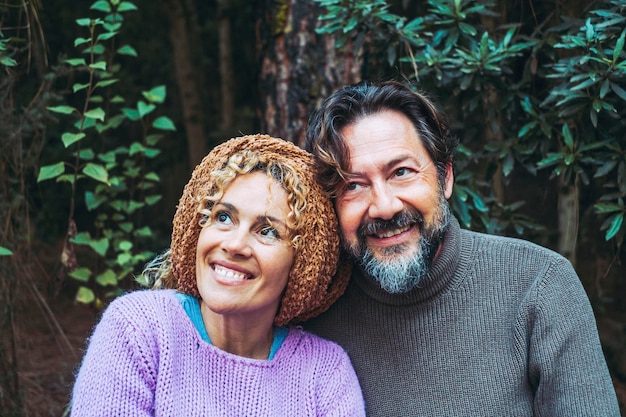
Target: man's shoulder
(494,244)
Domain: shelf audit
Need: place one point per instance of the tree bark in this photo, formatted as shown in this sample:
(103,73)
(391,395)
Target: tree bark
(190,88)
(299,68)
(227,89)
(569,207)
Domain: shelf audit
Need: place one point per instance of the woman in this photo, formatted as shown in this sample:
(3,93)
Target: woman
(254,248)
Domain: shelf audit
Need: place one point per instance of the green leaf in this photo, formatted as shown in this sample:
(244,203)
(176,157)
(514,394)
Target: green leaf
(132,114)
(75,62)
(107,278)
(567,137)
(152,199)
(156,95)
(607,208)
(616,225)
(126,6)
(106,36)
(123,258)
(92,201)
(78,42)
(82,238)
(70,138)
(62,109)
(126,227)
(66,178)
(97,172)
(100,65)
(101,5)
(619,91)
(81,274)
(550,159)
(100,246)
(106,83)
(144,108)
(5,252)
(164,123)
(125,245)
(83,22)
(8,61)
(136,147)
(619,46)
(51,171)
(85,295)
(96,113)
(144,231)
(77,87)
(127,50)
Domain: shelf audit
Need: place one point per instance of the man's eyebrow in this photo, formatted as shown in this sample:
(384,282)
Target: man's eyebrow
(385,167)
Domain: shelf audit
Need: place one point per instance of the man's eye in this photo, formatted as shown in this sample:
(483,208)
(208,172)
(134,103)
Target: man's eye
(401,172)
(351,186)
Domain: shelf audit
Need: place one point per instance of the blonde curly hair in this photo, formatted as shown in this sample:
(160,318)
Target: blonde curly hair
(317,278)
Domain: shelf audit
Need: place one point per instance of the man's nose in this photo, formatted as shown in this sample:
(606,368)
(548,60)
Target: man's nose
(384,203)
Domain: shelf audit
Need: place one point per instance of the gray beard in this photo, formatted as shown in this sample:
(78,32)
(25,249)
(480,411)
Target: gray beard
(404,273)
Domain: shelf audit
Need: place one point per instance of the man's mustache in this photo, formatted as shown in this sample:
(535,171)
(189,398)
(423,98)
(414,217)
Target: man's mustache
(406,217)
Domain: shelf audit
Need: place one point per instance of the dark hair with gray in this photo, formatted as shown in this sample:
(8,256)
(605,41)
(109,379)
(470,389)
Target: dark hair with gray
(352,103)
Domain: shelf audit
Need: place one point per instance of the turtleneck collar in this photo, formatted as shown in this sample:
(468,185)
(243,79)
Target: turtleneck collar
(442,275)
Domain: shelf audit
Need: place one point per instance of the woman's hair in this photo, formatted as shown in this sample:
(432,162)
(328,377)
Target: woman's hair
(315,281)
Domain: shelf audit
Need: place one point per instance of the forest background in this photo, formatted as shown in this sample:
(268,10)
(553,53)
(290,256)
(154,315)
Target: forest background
(106,106)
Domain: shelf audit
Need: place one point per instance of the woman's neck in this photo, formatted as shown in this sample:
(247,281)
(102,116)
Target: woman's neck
(241,336)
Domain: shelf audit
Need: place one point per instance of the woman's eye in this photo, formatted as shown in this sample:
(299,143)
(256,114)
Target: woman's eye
(222,217)
(269,232)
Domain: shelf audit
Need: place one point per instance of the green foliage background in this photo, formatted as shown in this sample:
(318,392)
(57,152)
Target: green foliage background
(91,166)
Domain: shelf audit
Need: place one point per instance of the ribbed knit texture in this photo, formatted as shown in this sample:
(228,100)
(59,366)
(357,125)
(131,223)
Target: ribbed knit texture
(500,327)
(145,358)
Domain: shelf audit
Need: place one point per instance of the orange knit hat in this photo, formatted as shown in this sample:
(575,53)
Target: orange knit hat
(316,279)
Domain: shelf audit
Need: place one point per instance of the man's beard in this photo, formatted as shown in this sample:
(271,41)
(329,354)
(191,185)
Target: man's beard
(403,273)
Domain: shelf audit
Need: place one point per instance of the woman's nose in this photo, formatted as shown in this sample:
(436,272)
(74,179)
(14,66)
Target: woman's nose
(237,242)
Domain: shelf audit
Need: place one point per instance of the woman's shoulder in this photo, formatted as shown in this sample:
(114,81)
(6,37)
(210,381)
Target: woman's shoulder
(139,303)
(313,345)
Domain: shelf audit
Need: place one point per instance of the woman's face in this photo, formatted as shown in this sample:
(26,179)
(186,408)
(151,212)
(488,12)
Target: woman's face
(244,253)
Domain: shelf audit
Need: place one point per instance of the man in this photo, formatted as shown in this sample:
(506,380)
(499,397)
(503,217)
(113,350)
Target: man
(441,321)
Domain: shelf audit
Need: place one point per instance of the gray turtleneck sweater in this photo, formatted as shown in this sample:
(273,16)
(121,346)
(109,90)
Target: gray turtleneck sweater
(500,327)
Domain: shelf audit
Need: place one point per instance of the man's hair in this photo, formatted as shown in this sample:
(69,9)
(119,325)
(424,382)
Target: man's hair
(349,104)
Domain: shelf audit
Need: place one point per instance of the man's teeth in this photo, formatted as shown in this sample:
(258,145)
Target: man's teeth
(390,233)
(229,273)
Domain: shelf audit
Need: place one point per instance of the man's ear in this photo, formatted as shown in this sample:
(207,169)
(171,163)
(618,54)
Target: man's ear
(448,185)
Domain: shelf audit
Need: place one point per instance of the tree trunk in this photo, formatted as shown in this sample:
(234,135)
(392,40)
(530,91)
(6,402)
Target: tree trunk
(188,84)
(569,201)
(299,68)
(227,89)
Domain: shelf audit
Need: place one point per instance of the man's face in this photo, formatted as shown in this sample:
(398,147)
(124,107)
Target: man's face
(393,210)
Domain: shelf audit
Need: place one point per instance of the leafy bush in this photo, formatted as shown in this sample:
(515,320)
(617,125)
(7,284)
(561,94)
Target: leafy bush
(114,172)
(524,97)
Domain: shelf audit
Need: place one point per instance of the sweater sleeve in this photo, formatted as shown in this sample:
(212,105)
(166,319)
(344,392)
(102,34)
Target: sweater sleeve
(566,363)
(116,377)
(339,392)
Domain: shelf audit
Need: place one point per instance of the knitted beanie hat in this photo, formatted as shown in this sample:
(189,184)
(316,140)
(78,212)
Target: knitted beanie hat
(317,278)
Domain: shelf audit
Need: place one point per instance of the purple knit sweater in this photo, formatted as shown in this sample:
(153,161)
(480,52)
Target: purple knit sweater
(145,358)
